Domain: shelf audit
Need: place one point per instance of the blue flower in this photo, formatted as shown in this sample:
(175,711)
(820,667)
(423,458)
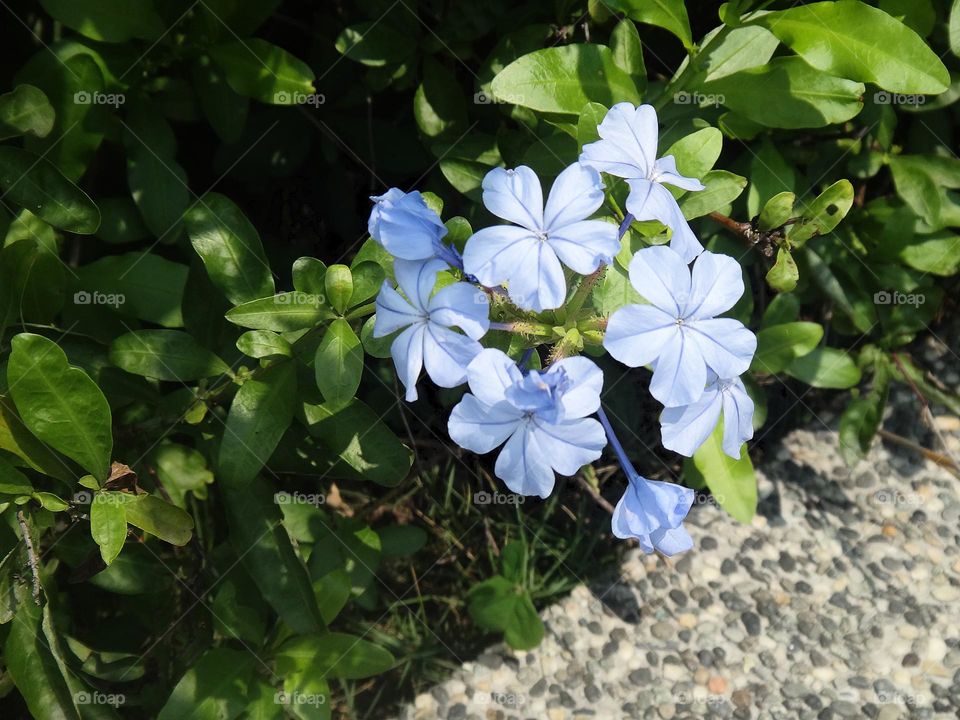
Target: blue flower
(428,340)
(405,227)
(649,510)
(686,428)
(679,331)
(652,512)
(628,149)
(542,417)
(527,255)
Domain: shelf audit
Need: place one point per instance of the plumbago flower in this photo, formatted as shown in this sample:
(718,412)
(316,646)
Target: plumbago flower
(527,255)
(407,228)
(679,331)
(685,428)
(628,149)
(428,340)
(650,511)
(542,416)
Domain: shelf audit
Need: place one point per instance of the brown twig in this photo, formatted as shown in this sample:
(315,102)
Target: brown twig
(598,498)
(31,555)
(931,455)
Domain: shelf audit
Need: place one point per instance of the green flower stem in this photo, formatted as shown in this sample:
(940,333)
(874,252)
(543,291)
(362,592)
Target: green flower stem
(583,292)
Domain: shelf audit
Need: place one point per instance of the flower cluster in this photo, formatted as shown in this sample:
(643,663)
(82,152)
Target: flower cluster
(440,311)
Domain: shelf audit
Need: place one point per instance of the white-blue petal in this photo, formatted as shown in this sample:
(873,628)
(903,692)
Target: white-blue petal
(584,246)
(524,466)
(446,355)
(576,194)
(661,276)
(652,201)
(665,171)
(404,225)
(464,306)
(538,283)
(686,427)
(570,445)
(680,374)
(393,312)
(725,345)
(514,195)
(671,541)
(493,254)
(417,279)
(716,285)
(490,373)
(407,352)
(480,428)
(737,418)
(637,334)
(628,145)
(582,397)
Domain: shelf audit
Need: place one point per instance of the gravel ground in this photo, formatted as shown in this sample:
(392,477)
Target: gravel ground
(840,600)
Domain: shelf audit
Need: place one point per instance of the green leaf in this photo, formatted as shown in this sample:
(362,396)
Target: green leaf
(697,152)
(337,655)
(225,110)
(770,175)
(671,15)
(498,604)
(263,71)
(783,276)
(230,248)
(783,308)
(777,211)
(24,111)
(308,274)
(779,345)
(375,44)
(564,79)
(214,688)
(338,282)
(861,420)
(258,537)
(739,49)
(953,28)
(826,368)
(332,591)
(15,438)
(353,546)
(113,21)
(32,182)
(180,470)
(590,117)
(141,285)
(338,364)
(788,93)
(108,523)
(438,104)
(263,343)
(368,276)
(937,254)
(165,355)
(824,213)
(13,482)
(282,312)
(628,52)
(732,482)
(120,221)
(158,517)
(260,414)
(614,291)
(34,669)
(722,188)
(60,404)
(365,445)
(853,40)
(401,540)
(158,184)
